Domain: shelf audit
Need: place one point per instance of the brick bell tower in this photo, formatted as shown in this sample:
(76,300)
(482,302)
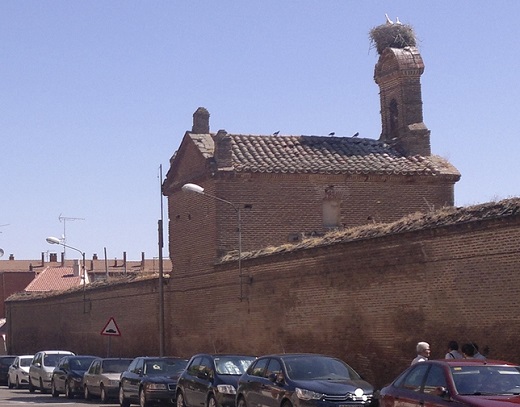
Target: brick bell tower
(398,74)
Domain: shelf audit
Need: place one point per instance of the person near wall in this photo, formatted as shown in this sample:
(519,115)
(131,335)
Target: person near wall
(453,351)
(423,352)
(470,351)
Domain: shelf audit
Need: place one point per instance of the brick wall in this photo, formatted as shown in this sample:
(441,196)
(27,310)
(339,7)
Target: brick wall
(366,301)
(12,282)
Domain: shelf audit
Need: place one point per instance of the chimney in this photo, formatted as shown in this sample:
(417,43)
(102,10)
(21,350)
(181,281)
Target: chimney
(398,74)
(43,259)
(223,155)
(62,259)
(94,256)
(53,257)
(75,268)
(200,121)
(142,261)
(11,257)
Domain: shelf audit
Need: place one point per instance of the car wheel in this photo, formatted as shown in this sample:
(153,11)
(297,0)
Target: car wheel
(9,384)
(180,400)
(42,389)
(86,393)
(212,401)
(17,382)
(103,394)
(54,392)
(241,402)
(287,404)
(123,402)
(143,402)
(31,387)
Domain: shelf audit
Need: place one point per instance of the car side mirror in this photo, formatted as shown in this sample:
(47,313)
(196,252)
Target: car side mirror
(276,378)
(442,392)
(203,375)
(38,364)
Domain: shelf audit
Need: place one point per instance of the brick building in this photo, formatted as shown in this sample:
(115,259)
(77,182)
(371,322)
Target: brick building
(289,187)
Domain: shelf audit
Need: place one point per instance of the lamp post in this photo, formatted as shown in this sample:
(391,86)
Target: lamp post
(200,190)
(55,240)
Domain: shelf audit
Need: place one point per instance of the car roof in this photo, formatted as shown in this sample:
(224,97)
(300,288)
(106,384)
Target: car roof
(472,362)
(284,355)
(221,355)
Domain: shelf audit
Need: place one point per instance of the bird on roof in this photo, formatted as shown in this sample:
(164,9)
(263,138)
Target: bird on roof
(355,135)
(332,133)
(276,133)
(388,21)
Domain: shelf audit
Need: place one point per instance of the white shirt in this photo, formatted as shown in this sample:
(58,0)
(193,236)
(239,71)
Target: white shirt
(454,354)
(419,358)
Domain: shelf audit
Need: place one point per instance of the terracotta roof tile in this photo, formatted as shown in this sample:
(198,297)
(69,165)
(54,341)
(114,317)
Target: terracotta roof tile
(323,155)
(54,279)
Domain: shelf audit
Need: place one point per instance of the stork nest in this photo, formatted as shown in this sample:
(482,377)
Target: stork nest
(392,36)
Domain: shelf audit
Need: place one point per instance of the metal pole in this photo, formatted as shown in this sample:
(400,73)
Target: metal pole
(161,272)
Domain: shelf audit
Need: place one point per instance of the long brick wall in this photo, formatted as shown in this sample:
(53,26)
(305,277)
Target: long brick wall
(367,301)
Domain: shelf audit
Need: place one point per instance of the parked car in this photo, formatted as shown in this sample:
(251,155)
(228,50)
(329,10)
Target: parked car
(302,380)
(211,380)
(102,378)
(42,365)
(150,379)
(18,374)
(67,376)
(455,382)
(5,362)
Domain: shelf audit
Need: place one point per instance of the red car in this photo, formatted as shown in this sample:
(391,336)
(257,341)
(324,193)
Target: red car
(455,383)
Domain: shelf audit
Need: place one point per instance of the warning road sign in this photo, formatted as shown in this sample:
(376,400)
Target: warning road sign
(111,328)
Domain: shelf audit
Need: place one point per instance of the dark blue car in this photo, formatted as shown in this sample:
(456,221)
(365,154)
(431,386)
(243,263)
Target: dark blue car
(211,380)
(302,380)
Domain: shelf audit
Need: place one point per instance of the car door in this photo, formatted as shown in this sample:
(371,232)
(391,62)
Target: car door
(13,370)
(252,381)
(408,392)
(189,381)
(91,377)
(59,375)
(35,368)
(272,389)
(134,379)
(435,389)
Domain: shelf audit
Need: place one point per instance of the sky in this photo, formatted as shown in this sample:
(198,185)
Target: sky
(95,97)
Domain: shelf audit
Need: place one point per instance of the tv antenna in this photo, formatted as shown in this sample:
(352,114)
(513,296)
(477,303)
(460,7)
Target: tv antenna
(65,219)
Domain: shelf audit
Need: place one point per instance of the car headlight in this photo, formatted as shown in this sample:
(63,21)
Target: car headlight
(305,394)
(156,386)
(226,389)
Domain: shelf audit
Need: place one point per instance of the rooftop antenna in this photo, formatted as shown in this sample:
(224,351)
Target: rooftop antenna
(63,239)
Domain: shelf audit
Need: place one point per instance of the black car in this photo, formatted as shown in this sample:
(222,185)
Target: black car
(211,380)
(150,379)
(302,380)
(5,362)
(67,376)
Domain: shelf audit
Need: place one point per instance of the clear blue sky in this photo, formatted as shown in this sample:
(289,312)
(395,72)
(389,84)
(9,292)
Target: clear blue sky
(96,95)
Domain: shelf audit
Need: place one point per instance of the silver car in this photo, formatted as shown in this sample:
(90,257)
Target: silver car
(42,366)
(102,378)
(18,374)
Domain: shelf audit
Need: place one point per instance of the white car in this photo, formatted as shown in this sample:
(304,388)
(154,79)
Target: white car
(42,366)
(18,374)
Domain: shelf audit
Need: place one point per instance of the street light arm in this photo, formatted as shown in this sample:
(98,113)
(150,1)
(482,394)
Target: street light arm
(55,240)
(200,190)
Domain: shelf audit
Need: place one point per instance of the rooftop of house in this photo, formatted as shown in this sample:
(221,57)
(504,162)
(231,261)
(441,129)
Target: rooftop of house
(322,155)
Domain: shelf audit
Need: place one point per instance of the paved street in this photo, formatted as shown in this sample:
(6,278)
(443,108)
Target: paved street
(22,397)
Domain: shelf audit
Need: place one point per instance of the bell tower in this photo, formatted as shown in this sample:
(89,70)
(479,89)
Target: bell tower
(398,74)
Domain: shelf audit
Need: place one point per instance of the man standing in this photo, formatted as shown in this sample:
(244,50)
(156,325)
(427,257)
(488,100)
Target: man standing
(423,352)
(453,351)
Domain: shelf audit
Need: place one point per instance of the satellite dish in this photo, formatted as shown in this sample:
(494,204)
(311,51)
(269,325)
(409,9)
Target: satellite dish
(1,252)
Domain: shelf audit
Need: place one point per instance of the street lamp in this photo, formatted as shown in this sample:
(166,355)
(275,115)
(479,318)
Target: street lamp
(55,240)
(200,190)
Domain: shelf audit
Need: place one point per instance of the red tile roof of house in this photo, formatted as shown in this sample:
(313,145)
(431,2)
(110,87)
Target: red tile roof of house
(323,155)
(55,279)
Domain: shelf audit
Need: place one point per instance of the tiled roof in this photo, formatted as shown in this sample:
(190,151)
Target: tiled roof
(323,155)
(54,279)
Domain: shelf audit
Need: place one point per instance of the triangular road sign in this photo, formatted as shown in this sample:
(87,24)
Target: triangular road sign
(111,328)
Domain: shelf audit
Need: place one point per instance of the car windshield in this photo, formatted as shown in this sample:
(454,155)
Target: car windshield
(164,367)
(80,364)
(232,365)
(116,365)
(318,368)
(482,380)
(52,359)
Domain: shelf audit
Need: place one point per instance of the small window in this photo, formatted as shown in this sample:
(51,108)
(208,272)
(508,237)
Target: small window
(435,381)
(414,379)
(331,213)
